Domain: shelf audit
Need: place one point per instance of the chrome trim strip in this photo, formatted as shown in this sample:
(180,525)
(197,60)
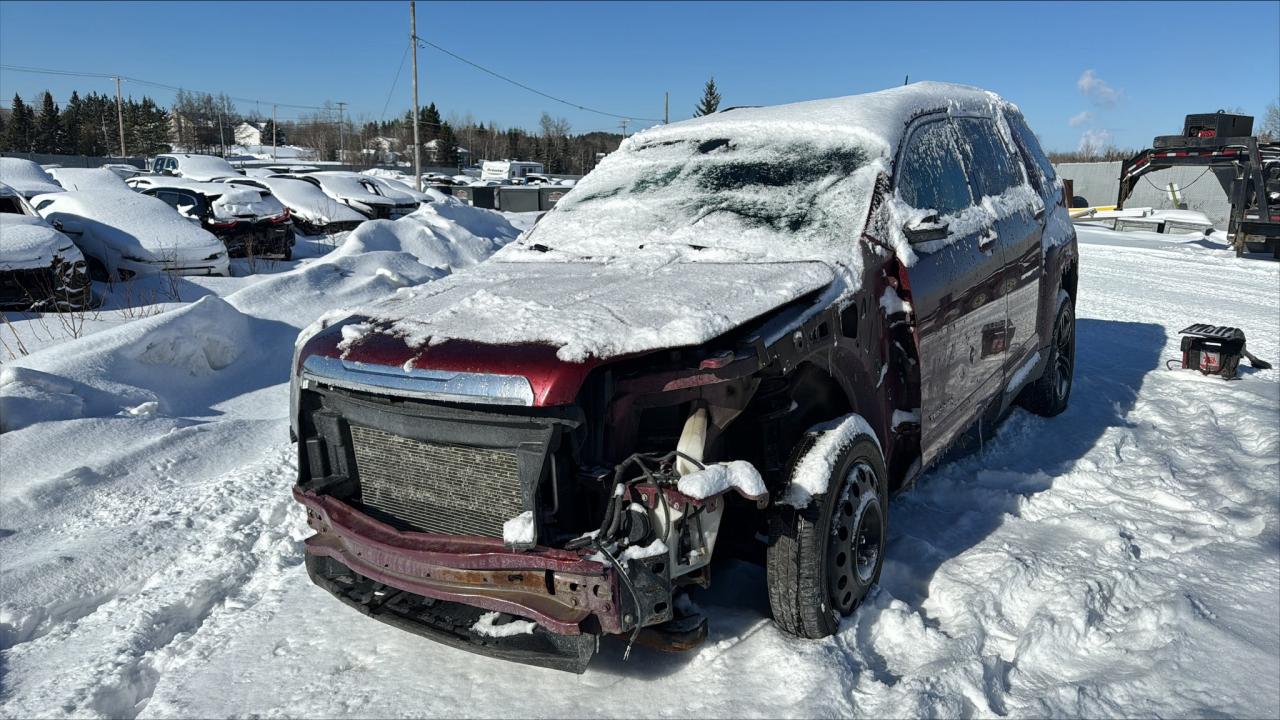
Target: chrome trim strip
(417,383)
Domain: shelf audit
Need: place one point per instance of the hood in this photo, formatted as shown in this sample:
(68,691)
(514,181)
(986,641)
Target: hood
(585,310)
(28,242)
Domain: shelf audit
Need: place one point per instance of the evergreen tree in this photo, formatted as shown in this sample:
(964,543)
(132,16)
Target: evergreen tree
(710,99)
(48,127)
(267,127)
(20,134)
(448,146)
(71,119)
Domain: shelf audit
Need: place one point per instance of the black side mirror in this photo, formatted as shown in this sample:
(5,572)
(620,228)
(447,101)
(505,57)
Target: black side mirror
(930,227)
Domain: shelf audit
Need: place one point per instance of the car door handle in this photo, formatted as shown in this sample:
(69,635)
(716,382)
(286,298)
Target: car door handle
(1040,214)
(986,240)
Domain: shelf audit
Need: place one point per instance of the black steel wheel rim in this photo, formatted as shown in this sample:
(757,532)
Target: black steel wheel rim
(857,538)
(1064,336)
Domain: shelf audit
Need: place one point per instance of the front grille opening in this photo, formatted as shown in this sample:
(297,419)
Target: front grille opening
(436,487)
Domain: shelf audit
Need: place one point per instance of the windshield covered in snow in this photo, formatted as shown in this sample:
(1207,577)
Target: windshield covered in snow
(757,193)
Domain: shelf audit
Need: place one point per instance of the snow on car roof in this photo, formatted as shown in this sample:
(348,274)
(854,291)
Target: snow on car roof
(787,182)
(202,167)
(28,178)
(88,178)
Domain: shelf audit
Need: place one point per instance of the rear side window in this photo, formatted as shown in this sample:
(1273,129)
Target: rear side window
(993,168)
(932,176)
(10,206)
(1029,146)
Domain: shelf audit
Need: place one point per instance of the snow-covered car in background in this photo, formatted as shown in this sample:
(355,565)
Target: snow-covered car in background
(313,212)
(193,167)
(40,268)
(250,221)
(88,179)
(736,336)
(123,233)
(124,170)
(361,193)
(400,189)
(26,177)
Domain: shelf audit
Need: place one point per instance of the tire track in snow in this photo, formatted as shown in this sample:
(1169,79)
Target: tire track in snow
(236,527)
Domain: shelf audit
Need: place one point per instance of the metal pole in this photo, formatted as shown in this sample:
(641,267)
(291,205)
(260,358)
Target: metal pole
(120,118)
(413,40)
(341,124)
(273,133)
(666,107)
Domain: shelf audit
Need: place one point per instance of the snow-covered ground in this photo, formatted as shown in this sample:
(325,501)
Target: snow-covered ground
(1122,559)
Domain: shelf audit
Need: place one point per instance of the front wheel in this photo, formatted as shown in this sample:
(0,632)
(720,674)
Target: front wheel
(826,556)
(1049,394)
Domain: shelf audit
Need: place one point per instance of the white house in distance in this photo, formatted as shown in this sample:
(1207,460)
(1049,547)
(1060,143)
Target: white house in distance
(250,133)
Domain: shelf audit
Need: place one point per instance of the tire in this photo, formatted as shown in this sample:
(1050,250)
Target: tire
(288,251)
(1049,394)
(814,573)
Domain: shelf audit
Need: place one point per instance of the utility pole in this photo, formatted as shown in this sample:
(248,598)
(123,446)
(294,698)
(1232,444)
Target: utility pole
(120,118)
(624,122)
(666,107)
(273,132)
(413,41)
(341,123)
(222,139)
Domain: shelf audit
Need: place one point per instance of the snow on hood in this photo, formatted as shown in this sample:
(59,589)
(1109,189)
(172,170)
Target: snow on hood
(308,201)
(596,309)
(28,178)
(131,223)
(245,202)
(29,242)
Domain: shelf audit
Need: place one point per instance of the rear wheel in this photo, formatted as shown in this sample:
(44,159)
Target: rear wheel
(827,556)
(1049,394)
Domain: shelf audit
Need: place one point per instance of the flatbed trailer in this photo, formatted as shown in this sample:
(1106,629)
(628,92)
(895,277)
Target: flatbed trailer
(1248,170)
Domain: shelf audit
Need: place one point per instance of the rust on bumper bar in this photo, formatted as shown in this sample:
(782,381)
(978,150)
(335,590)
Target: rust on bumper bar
(558,589)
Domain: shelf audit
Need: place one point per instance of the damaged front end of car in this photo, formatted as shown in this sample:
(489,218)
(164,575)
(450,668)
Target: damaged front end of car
(412,461)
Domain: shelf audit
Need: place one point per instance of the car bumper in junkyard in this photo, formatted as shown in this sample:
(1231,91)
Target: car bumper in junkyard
(438,585)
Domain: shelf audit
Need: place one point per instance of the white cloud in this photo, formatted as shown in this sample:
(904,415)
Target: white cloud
(1081,119)
(1097,89)
(1093,141)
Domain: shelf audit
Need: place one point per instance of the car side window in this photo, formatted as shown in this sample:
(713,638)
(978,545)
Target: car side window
(169,197)
(993,168)
(1029,146)
(932,176)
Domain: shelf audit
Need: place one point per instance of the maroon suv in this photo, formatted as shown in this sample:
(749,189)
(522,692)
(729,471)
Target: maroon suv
(735,337)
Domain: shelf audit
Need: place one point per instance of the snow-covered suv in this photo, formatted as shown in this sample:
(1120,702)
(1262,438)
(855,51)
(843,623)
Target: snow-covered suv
(736,336)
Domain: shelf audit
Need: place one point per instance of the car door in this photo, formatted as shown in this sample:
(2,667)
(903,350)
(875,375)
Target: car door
(952,279)
(1018,215)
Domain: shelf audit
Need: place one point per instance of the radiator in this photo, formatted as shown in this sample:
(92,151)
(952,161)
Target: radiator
(435,487)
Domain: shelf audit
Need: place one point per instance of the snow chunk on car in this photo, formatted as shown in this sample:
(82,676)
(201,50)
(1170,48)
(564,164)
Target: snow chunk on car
(519,530)
(714,479)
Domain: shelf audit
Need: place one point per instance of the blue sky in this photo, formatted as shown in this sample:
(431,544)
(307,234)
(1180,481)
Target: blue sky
(1074,68)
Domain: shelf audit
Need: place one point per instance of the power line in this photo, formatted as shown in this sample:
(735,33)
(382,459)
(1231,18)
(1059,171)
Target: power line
(535,91)
(395,82)
(148,83)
